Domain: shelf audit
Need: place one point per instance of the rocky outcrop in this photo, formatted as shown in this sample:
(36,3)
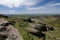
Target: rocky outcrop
(8,32)
(39,29)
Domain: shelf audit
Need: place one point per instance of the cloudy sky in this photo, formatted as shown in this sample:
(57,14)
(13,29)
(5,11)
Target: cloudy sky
(29,6)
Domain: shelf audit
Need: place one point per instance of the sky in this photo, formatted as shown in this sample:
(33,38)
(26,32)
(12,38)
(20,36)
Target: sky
(29,6)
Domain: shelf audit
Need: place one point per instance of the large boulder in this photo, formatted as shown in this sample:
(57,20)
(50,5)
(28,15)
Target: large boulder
(32,30)
(43,27)
(2,28)
(28,20)
(35,32)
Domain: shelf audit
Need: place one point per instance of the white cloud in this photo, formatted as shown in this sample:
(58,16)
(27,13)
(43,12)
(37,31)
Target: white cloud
(11,3)
(54,4)
(17,3)
(47,8)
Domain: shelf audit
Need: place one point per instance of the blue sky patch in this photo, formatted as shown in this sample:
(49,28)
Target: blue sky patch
(30,6)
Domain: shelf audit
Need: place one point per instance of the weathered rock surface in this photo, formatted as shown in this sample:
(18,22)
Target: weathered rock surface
(10,33)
